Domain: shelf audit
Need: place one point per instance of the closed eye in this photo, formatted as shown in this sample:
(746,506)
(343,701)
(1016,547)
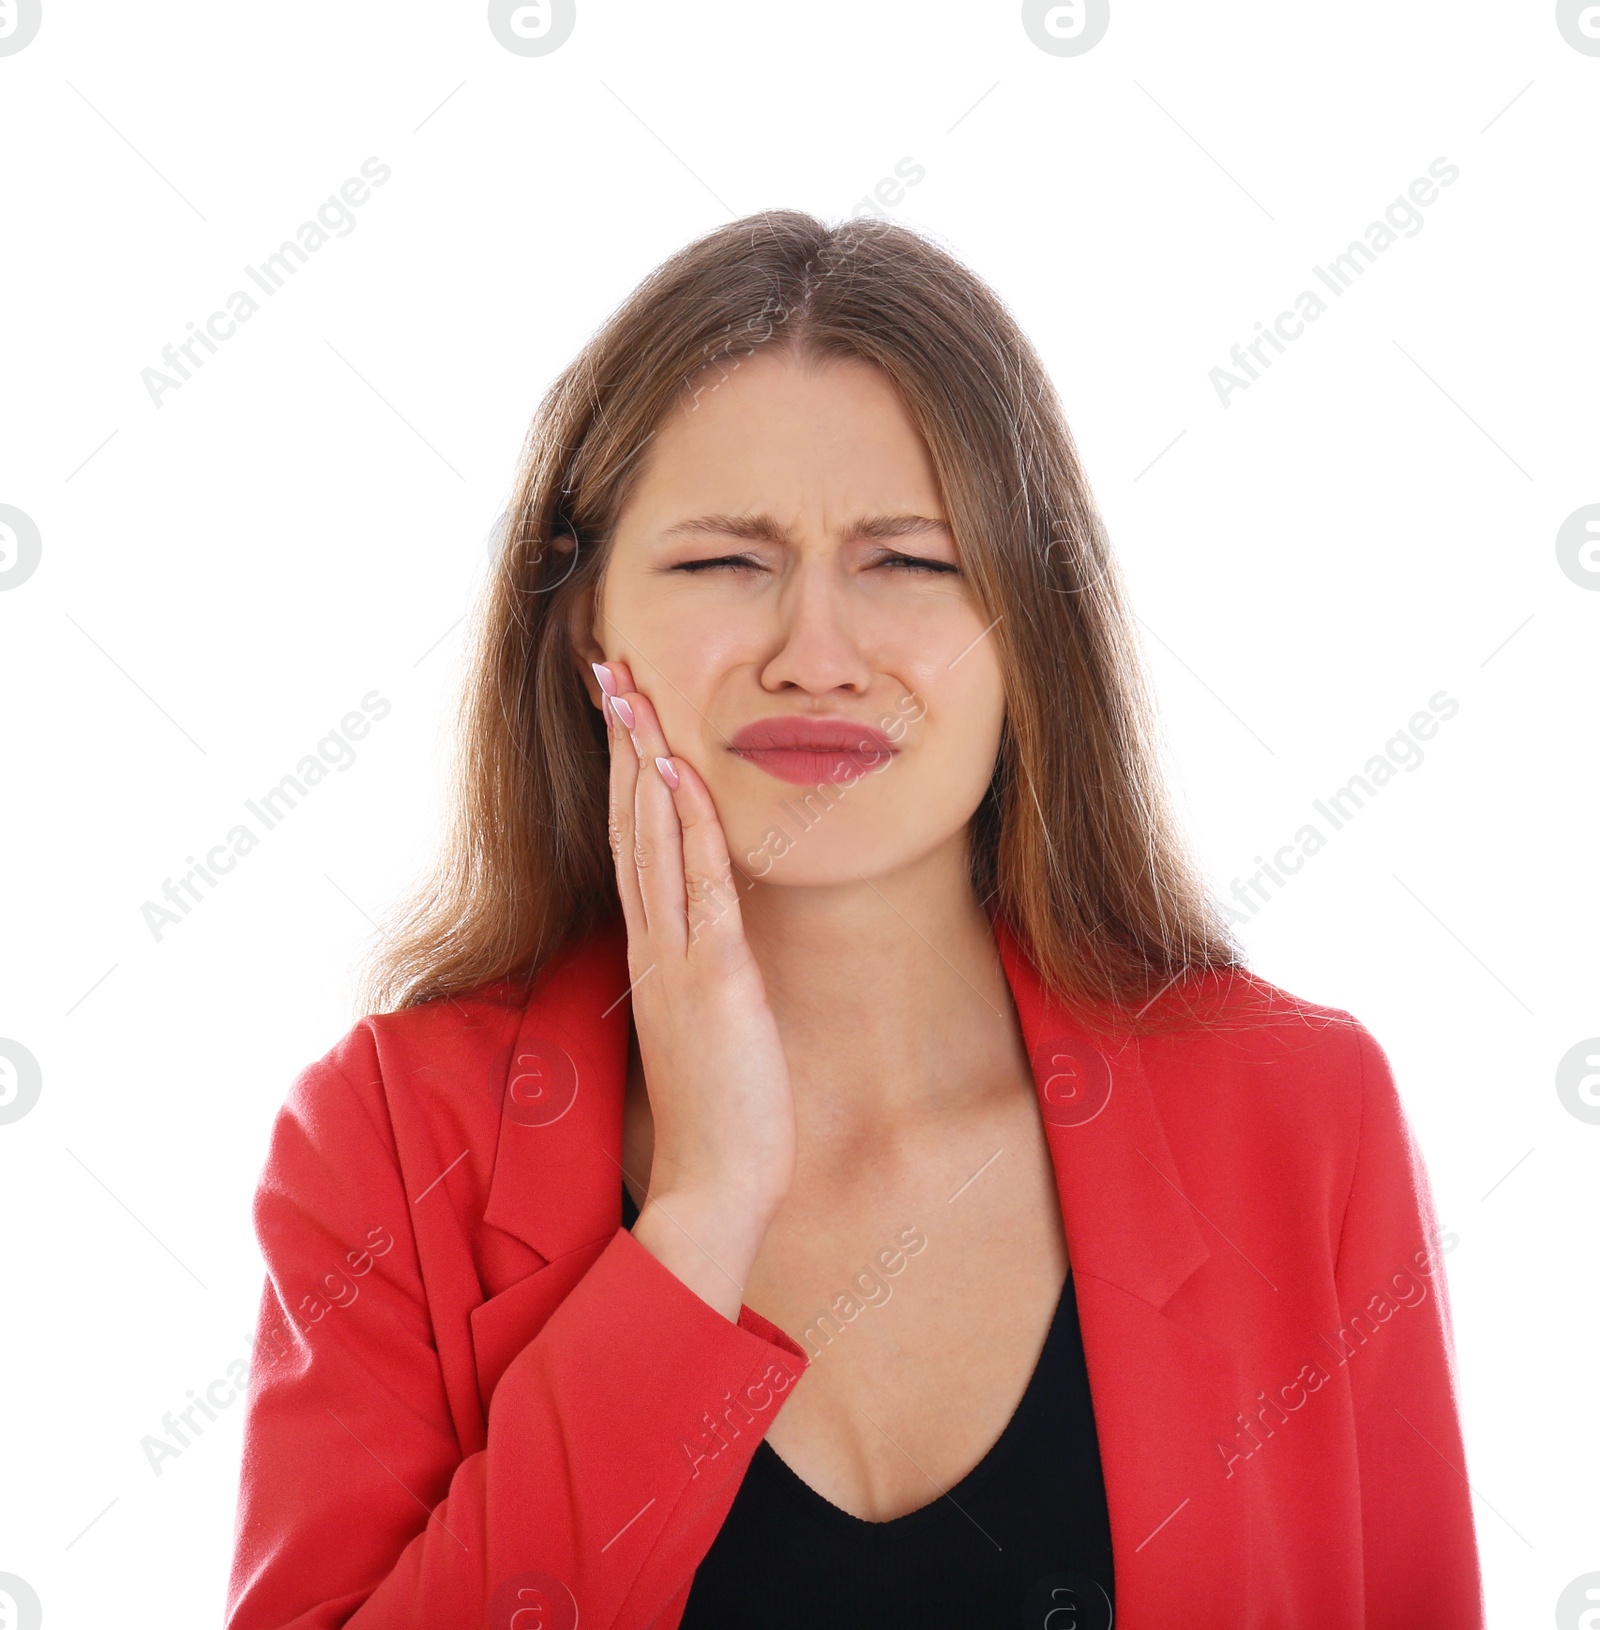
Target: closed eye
(913,563)
(916,563)
(708,565)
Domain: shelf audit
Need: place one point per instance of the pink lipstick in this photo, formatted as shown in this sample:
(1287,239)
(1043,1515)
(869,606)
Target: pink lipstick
(809,752)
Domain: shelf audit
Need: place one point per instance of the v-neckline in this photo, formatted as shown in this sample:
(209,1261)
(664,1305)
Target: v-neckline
(908,1522)
(785,1476)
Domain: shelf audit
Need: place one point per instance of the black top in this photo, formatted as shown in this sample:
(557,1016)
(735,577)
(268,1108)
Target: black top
(1022,1542)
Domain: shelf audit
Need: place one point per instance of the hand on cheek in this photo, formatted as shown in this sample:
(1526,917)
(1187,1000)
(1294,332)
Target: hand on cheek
(715,1071)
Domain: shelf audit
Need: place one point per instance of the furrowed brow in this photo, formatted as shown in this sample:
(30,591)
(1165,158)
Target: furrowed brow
(763,528)
(899,526)
(759,527)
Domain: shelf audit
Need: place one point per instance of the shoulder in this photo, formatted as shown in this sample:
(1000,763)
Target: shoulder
(404,1099)
(449,1046)
(394,1082)
(1235,1020)
(1269,1075)
(431,1046)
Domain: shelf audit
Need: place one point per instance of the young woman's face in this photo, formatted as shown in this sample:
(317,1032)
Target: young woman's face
(784,564)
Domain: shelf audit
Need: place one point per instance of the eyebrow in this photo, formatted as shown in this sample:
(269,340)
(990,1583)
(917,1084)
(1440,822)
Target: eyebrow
(763,528)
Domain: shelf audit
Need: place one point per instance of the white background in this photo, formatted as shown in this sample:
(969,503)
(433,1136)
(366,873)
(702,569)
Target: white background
(304,521)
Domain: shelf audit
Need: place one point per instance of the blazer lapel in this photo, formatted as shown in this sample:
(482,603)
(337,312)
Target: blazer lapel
(557,1182)
(1157,1381)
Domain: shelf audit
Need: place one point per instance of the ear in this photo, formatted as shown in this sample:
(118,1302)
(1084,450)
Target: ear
(586,649)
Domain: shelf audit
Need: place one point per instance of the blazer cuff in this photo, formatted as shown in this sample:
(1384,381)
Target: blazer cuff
(639,1262)
(749,1319)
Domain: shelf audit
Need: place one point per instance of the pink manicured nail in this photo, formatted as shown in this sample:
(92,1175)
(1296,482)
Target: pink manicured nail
(624,712)
(668,774)
(603,674)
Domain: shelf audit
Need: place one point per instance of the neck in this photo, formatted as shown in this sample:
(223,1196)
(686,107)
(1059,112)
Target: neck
(889,994)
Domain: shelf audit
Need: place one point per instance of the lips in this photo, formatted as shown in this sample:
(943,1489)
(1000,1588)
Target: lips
(809,752)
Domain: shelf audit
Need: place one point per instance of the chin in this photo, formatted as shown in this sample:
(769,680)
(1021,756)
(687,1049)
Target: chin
(781,849)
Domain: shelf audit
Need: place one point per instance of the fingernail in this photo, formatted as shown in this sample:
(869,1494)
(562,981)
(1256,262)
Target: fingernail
(668,774)
(624,712)
(603,674)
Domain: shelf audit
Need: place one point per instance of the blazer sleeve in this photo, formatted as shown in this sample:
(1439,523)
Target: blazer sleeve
(1418,1541)
(612,1446)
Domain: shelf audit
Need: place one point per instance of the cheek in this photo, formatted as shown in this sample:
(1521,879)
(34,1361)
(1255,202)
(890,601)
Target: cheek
(961,748)
(956,712)
(674,648)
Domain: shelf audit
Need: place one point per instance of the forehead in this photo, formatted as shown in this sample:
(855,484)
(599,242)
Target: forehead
(769,433)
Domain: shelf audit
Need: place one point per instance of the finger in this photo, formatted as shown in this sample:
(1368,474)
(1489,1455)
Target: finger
(657,839)
(621,674)
(715,922)
(623,690)
(620,818)
(615,678)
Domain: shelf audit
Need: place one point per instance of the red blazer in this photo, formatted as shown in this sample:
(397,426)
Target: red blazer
(477,1399)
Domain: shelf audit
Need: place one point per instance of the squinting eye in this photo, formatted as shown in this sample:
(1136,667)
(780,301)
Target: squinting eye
(915,563)
(719,560)
(909,563)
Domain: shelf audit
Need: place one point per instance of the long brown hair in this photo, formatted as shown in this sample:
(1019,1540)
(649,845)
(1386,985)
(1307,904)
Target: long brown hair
(1074,842)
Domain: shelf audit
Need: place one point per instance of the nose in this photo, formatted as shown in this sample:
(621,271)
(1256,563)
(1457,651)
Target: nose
(816,642)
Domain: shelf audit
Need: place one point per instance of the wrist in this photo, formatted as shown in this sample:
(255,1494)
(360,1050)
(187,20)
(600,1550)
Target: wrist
(741,1196)
(709,1241)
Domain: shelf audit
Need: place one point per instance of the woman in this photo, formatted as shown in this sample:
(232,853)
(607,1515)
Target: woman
(873,1192)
